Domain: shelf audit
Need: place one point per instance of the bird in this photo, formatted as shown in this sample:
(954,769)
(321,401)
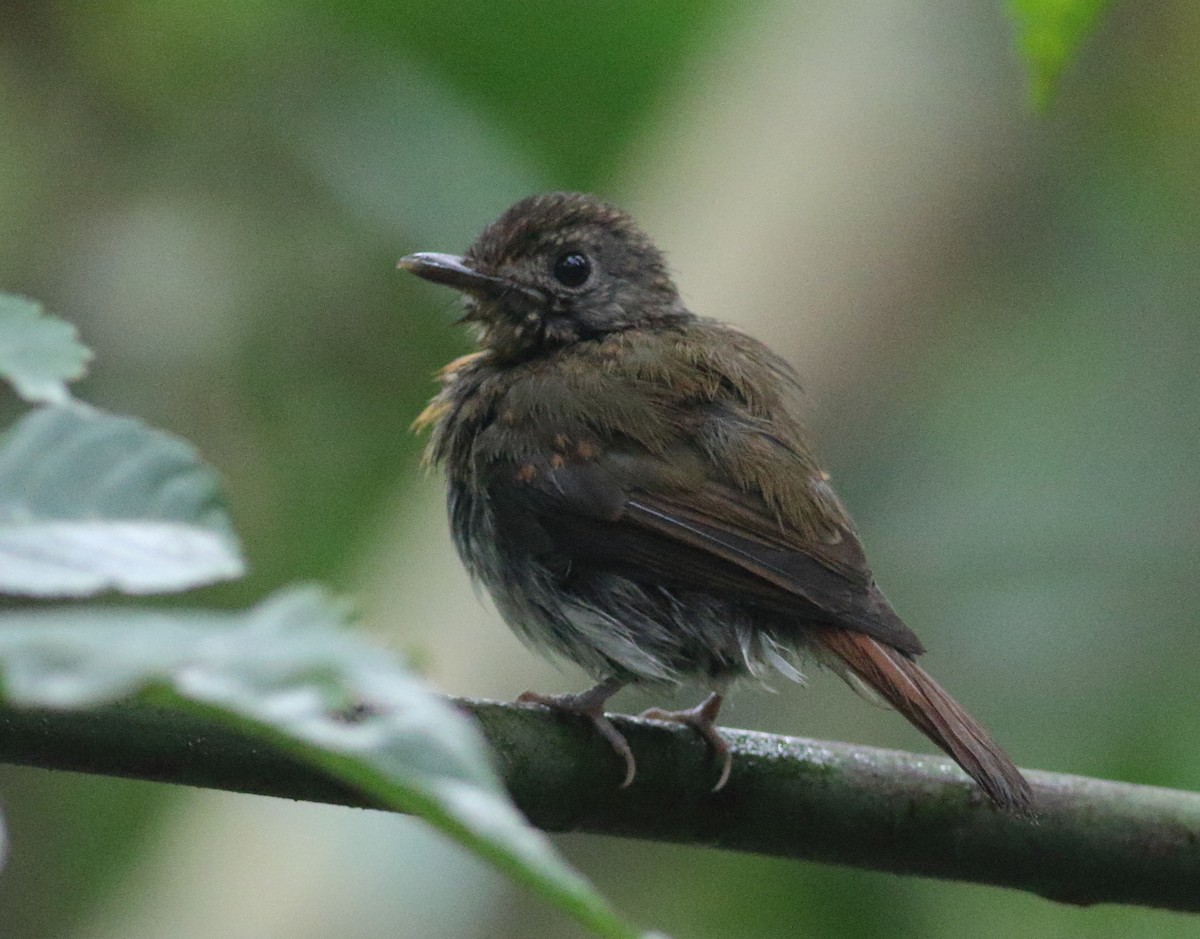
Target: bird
(633,485)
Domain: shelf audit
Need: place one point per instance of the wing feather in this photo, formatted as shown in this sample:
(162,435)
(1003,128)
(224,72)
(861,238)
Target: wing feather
(707,538)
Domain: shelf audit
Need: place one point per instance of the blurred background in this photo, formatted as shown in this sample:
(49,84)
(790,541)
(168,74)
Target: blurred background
(996,314)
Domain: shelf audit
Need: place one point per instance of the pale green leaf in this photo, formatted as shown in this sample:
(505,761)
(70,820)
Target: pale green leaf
(90,501)
(38,354)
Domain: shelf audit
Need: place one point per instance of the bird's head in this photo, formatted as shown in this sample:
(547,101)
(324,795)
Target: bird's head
(556,269)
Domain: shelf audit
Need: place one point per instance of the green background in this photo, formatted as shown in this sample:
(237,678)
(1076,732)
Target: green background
(996,313)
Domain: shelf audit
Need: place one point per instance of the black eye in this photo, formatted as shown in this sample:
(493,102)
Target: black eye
(572,269)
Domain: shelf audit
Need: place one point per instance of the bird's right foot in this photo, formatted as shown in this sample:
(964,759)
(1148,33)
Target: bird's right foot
(590,704)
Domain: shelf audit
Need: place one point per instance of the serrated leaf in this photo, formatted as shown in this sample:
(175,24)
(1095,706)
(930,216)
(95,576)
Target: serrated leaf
(91,501)
(38,354)
(1049,33)
(287,669)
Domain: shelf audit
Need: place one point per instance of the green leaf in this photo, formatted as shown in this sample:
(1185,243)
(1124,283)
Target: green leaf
(90,501)
(288,670)
(38,354)
(1049,33)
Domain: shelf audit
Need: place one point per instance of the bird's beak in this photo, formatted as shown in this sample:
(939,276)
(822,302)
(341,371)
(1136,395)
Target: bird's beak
(450,270)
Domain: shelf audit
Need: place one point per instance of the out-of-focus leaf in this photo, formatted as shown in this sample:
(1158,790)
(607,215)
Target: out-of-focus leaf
(1049,33)
(38,354)
(90,501)
(289,670)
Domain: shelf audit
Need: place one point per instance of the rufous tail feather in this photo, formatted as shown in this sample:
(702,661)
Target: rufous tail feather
(911,691)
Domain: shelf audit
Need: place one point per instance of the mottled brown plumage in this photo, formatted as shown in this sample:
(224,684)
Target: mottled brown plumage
(633,485)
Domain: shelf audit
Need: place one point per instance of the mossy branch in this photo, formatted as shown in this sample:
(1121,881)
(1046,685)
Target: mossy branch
(1093,841)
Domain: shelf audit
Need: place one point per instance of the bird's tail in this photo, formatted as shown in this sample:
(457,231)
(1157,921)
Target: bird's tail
(903,684)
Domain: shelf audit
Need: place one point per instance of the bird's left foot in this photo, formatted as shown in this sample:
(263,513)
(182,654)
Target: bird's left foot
(703,719)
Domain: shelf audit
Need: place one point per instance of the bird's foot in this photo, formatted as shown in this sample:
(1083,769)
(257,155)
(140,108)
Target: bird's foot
(590,704)
(702,718)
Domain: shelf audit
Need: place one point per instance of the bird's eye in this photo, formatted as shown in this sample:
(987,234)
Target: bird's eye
(572,269)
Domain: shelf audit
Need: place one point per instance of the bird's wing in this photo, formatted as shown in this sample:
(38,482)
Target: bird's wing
(644,516)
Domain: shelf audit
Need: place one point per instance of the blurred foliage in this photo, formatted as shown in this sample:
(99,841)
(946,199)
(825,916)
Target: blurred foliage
(221,192)
(1049,33)
(38,354)
(92,502)
(288,672)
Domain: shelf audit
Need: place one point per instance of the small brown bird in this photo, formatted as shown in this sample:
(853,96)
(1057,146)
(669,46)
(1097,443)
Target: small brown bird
(632,484)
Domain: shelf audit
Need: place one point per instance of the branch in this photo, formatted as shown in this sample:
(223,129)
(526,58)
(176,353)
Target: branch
(1093,842)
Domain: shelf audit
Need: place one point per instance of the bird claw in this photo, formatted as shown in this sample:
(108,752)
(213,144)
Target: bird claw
(589,704)
(702,718)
